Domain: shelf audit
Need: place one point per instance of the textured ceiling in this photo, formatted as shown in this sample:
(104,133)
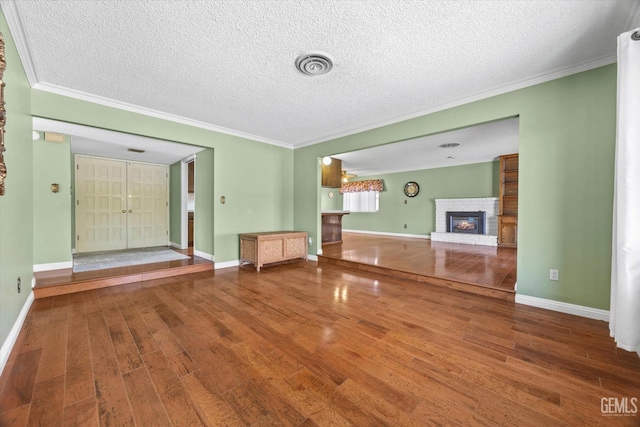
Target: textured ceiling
(229,65)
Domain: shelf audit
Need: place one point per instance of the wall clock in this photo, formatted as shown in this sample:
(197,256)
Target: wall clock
(411,189)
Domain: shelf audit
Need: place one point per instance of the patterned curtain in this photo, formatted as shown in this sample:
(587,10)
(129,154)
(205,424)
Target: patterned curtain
(360,186)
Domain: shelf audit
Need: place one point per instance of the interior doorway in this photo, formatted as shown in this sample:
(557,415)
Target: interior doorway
(120,204)
(191,201)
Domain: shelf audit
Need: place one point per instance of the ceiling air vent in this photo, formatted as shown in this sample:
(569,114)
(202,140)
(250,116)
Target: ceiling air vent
(314,64)
(135,150)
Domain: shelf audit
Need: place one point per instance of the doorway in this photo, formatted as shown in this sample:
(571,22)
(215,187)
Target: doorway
(119,204)
(191,201)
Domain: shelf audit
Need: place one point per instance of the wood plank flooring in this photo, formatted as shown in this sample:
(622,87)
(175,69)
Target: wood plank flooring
(302,345)
(483,270)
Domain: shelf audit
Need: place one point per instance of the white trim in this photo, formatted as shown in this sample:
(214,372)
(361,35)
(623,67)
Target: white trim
(8,344)
(563,307)
(52,266)
(204,255)
(95,99)
(384,233)
(312,257)
(319,251)
(175,245)
(499,90)
(17,32)
(226,264)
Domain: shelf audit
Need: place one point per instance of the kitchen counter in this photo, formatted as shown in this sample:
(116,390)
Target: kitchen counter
(332,226)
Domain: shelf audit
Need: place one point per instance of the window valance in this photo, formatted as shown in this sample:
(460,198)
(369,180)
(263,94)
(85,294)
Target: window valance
(360,186)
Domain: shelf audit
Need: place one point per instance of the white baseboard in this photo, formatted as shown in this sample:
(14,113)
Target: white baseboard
(383,233)
(8,344)
(52,266)
(176,245)
(204,255)
(226,264)
(319,251)
(564,307)
(312,257)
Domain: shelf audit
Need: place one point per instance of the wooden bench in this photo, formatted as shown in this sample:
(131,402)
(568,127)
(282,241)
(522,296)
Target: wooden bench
(273,246)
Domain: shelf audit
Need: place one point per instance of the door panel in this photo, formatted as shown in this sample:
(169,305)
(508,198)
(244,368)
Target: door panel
(147,196)
(100,199)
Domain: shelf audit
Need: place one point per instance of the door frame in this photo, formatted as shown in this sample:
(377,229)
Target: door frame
(184,190)
(74,205)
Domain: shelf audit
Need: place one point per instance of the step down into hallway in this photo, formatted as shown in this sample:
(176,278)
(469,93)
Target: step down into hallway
(61,282)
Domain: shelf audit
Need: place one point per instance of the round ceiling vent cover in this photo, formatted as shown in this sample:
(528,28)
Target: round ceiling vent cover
(314,64)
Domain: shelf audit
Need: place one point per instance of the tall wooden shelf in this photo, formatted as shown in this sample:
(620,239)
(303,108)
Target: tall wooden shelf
(508,214)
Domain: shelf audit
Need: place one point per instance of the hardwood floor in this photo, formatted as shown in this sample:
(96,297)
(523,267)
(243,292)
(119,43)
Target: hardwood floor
(302,345)
(483,270)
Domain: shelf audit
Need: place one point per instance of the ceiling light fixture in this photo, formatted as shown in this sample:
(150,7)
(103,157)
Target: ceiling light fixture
(449,145)
(347,176)
(326,161)
(135,150)
(314,64)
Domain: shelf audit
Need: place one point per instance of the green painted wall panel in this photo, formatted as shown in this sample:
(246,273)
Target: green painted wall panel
(16,206)
(51,211)
(476,180)
(204,215)
(175,200)
(255,177)
(330,203)
(567,140)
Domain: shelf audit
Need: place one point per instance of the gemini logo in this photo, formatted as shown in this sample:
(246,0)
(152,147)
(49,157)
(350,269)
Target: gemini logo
(619,407)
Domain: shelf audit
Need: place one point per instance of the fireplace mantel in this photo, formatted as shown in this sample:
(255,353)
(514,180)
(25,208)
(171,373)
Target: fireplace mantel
(487,204)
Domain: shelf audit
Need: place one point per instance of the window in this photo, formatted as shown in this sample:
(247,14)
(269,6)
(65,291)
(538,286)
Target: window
(363,201)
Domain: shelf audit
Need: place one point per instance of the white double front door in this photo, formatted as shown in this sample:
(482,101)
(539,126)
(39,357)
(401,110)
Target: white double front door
(120,204)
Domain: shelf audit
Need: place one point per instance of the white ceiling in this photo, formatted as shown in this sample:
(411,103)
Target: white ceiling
(229,65)
(482,143)
(92,141)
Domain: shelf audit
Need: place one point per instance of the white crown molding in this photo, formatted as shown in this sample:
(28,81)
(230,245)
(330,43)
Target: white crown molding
(8,344)
(384,233)
(10,11)
(95,99)
(563,307)
(563,72)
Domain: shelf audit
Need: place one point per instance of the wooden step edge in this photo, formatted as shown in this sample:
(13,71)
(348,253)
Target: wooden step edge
(87,285)
(472,288)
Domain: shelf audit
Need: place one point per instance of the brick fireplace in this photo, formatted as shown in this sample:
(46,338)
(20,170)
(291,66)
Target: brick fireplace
(488,205)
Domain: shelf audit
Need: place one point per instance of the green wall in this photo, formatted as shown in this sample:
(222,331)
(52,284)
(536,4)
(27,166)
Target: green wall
(16,206)
(256,178)
(51,211)
(567,139)
(330,203)
(419,213)
(175,200)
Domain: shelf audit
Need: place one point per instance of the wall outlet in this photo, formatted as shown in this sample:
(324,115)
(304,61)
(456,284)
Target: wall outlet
(405,226)
(19,284)
(310,241)
(553,274)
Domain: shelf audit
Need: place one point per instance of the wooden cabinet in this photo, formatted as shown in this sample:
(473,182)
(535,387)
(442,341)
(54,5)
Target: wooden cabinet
(332,174)
(191,179)
(508,205)
(273,246)
(332,227)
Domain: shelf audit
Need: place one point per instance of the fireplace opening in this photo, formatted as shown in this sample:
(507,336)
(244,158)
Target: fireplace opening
(466,222)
